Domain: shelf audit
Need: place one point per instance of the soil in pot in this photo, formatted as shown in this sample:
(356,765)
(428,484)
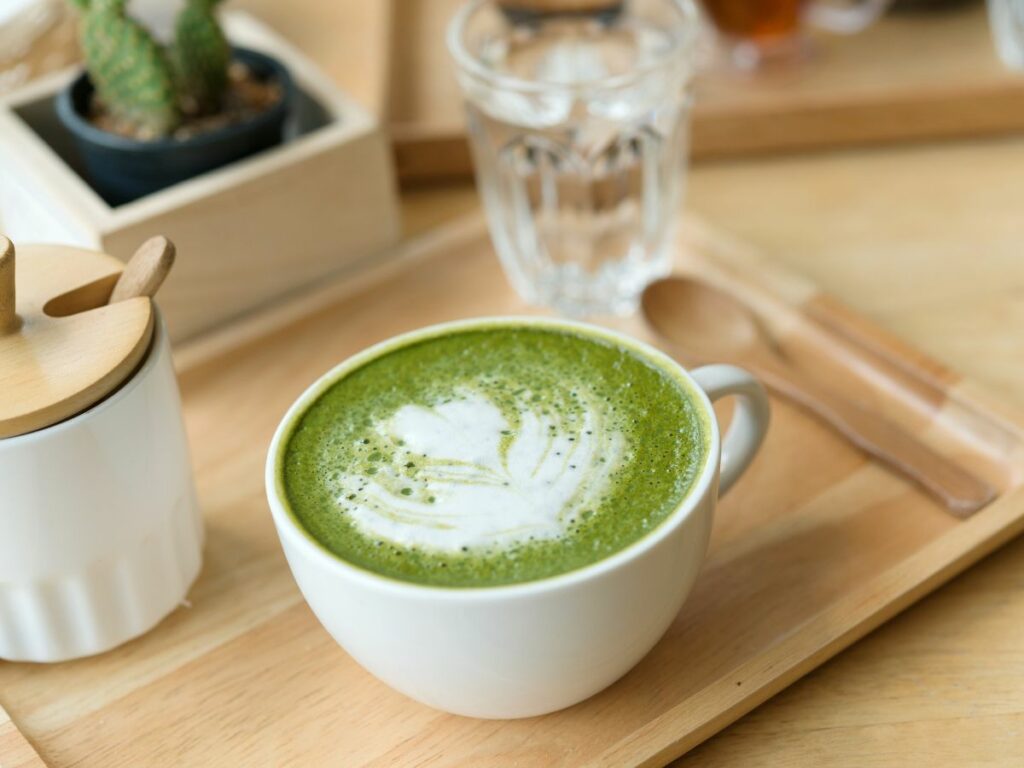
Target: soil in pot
(246,97)
(123,166)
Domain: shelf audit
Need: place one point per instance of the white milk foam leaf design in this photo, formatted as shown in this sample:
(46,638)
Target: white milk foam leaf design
(492,455)
(461,475)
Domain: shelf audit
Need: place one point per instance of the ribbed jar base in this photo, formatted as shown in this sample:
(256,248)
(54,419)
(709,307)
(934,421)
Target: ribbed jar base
(108,603)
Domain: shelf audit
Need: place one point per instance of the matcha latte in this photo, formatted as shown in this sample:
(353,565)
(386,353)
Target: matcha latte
(494,454)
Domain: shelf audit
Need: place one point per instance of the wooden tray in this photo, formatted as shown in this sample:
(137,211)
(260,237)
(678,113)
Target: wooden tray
(15,750)
(910,77)
(813,549)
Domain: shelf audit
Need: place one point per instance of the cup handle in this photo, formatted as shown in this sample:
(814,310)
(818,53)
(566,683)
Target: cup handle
(749,421)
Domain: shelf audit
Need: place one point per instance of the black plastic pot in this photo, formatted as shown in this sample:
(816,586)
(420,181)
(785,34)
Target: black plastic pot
(122,169)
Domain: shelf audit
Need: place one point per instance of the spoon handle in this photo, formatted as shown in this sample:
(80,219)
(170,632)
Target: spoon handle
(145,271)
(960,491)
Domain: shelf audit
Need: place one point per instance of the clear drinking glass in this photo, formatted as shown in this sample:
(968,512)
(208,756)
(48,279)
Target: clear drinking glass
(578,115)
(1007,20)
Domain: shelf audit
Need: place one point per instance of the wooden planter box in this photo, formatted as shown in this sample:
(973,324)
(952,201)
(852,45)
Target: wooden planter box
(246,233)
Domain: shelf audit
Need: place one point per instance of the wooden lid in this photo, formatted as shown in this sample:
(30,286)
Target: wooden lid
(63,347)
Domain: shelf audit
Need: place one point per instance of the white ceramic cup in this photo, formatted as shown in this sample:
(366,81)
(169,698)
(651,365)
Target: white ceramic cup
(100,533)
(535,647)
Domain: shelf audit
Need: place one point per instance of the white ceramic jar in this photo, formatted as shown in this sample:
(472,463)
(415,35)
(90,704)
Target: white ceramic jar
(100,533)
(531,648)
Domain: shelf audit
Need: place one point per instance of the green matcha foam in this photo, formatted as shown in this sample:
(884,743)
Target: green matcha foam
(492,456)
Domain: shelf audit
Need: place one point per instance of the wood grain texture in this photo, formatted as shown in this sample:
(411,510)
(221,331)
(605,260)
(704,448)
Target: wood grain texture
(925,242)
(15,749)
(342,37)
(245,676)
(703,323)
(248,233)
(9,320)
(70,349)
(145,271)
(910,77)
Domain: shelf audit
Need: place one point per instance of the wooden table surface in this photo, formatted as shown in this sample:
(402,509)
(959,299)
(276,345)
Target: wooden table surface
(929,242)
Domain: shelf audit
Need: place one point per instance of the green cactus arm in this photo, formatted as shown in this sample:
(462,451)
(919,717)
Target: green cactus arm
(128,68)
(201,56)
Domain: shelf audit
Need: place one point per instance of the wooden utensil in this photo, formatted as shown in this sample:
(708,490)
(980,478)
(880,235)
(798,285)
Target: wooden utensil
(707,323)
(73,327)
(9,320)
(146,271)
(15,749)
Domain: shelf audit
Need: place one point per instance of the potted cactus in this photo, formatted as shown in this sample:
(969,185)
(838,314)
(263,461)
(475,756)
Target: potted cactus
(145,116)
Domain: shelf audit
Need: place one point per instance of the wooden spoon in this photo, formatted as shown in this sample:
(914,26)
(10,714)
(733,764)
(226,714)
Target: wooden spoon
(145,271)
(706,323)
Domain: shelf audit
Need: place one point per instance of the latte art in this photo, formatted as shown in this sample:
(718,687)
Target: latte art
(460,474)
(492,456)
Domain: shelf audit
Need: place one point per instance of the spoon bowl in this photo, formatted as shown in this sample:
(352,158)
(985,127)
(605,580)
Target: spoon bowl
(704,323)
(700,317)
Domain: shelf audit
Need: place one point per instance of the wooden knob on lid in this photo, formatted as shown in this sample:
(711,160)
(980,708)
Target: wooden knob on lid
(64,344)
(9,320)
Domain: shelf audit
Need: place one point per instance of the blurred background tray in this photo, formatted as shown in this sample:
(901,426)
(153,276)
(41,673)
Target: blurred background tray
(914,75)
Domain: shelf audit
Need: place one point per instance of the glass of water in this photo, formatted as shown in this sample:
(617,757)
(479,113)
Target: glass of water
(1007,20)
(578,114)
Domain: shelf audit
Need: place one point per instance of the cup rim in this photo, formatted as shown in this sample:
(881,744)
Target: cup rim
(471,65)
(142,369)
(289,526)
